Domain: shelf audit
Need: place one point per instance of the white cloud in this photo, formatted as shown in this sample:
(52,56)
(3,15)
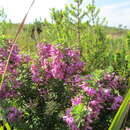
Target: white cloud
(16,9)
(116,6)
(117,13)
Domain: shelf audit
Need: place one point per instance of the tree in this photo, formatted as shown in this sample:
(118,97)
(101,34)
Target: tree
(77,15)
(2,15)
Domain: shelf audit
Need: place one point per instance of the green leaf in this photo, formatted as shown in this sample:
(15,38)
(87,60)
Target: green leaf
(121,114)
(79,108)
(7,126)
(78,113)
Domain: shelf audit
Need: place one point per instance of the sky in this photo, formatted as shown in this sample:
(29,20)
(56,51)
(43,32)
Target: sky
(116,11)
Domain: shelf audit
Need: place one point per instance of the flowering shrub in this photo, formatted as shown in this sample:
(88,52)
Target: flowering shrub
(91,107)
(36,92)
(57,63)
(52,71)
(12,82)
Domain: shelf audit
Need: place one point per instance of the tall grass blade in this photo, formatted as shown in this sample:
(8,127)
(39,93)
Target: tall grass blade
(16,37)
(121,114)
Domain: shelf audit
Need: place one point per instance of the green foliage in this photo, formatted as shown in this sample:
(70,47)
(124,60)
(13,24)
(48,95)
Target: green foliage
(2,15)
(121,114)
(2,40)
(5,125)
(123,61)
(103,49)
(128,40)
(79,112)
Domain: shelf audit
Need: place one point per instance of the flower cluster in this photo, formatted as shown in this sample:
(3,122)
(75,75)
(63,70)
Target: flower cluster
(14,114)
(104,96)
(56,63)
(6,92)
(11,81)
(76,100)
(68,118)
(112,81)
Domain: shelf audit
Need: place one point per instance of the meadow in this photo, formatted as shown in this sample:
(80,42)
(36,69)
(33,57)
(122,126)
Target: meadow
(72,73)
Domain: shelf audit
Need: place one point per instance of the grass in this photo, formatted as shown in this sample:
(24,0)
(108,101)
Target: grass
(27,43)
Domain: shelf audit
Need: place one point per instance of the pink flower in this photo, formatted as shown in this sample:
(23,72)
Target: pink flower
(76,100)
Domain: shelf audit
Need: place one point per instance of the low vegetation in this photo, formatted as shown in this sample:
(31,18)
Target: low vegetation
(71,73)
